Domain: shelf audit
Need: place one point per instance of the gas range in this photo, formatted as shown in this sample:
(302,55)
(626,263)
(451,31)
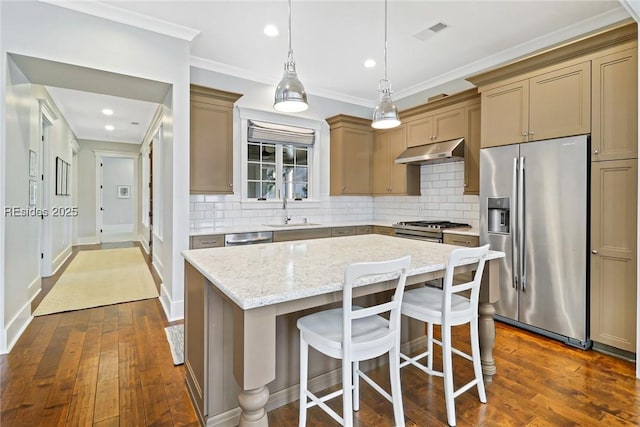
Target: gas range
(425,230)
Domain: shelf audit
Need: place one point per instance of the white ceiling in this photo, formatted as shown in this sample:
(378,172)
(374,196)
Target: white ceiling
(83,111)
(332,39)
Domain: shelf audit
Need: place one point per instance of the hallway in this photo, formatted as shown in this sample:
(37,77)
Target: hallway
(102,366)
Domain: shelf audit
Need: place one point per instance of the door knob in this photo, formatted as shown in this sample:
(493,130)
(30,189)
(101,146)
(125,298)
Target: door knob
(595,252)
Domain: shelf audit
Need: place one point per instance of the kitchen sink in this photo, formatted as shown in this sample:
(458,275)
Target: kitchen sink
(292,224)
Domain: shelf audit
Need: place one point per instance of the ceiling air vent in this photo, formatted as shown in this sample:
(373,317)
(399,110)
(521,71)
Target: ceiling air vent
(430,31)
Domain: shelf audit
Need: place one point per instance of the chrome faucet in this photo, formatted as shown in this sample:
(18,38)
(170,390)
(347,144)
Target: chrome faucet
(287,217)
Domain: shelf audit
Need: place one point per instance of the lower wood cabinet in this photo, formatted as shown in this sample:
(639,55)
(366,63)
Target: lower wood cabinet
(195,354)
(206,241)
(614,253)
(308,233)
(387,231)
(461,240)
(343,231)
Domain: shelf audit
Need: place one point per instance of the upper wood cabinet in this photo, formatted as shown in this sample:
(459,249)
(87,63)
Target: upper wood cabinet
(388,177)
(614,108)
(435,126)
(551,103)
(472,149)
(350,155)
(211,141)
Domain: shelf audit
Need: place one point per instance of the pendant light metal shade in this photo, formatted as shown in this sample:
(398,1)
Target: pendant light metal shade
(385,115)
(290,96)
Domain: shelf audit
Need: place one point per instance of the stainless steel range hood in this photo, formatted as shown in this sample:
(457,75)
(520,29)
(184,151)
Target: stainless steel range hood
(439,152)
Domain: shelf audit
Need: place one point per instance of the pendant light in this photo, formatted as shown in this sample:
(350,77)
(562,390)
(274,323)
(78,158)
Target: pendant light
(290,96)
(385,115)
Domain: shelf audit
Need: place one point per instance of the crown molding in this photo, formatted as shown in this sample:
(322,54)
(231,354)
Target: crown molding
(519,51)
(243,73)
(127,17)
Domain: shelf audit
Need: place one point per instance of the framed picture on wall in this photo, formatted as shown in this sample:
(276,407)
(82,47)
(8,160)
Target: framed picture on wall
(33,189)
(124,191)
(33,166)
(59,172)
(62,177)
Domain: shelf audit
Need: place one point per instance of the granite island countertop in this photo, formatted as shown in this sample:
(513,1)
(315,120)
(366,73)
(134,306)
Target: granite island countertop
(270,273)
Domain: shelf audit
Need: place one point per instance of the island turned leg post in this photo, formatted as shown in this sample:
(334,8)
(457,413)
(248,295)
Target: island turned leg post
(252,403)
(487,333)
(489,294)
(254,361)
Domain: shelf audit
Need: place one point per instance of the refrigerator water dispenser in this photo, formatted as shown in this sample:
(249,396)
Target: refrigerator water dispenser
(498,214)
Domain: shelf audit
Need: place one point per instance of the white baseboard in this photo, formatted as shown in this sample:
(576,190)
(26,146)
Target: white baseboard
(91,240)
(34,288)
(60,259)
(157,264)
(144,242)
(173,309)
(15,328)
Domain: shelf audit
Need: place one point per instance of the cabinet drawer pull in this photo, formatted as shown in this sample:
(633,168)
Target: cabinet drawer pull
(464,242)
(209,242)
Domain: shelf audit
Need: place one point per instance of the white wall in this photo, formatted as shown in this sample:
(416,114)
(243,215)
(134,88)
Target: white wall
(49,32)
(119,212)
(87,185)
(21,244)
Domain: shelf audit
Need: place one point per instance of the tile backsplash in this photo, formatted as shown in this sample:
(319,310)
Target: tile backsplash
(441,188)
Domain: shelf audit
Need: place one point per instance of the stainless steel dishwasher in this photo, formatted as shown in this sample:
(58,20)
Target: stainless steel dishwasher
(238,239)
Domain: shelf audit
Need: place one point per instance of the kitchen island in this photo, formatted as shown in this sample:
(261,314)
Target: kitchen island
(242,302)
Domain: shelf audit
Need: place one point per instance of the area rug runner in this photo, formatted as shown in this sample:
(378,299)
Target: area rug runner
(175,336)
(100,277)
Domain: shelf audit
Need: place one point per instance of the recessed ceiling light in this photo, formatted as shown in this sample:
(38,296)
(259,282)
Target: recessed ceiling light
(109,127)
(107,111)
(271,30)
(370,63)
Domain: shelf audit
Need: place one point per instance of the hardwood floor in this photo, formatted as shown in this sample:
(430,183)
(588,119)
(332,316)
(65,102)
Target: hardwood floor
(540,382)
(111,366)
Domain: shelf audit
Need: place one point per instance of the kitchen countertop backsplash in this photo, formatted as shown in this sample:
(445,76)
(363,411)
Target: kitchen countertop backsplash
(442,198)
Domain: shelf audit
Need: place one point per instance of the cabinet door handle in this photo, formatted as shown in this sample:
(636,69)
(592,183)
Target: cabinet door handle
(230,185)
(524,133)
(595,252)
(595,151)
(531,132)
(464,242)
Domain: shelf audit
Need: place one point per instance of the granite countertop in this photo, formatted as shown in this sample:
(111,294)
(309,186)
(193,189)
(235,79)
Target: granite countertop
(264,274)
(274,227)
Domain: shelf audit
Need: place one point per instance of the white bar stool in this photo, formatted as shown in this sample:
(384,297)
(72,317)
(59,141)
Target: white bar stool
(446,308)
(352,334)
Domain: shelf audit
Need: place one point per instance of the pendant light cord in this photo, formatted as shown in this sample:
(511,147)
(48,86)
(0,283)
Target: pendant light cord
(385,39)
(290,49)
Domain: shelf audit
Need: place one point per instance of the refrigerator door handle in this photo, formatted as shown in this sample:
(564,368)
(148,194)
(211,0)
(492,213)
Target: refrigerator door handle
(514,231)
(521,226)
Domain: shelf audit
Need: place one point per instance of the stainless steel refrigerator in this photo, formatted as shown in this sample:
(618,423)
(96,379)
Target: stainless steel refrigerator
(534,207)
